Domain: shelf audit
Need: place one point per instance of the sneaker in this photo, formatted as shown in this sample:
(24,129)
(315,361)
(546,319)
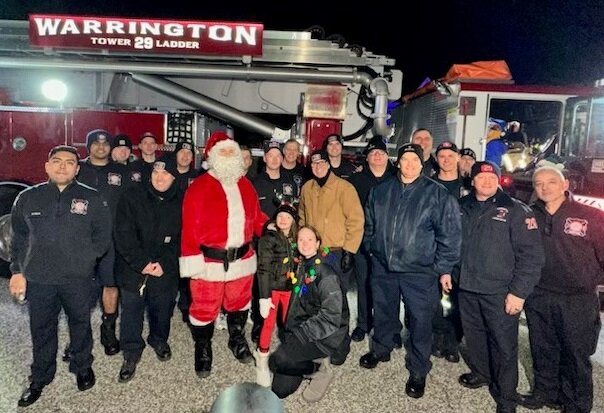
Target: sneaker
(221,322)
(317,388)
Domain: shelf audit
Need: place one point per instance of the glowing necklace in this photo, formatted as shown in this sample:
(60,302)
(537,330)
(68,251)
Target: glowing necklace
(299,286)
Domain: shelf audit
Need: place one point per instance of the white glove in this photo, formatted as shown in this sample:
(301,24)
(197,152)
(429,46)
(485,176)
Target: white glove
(265,306)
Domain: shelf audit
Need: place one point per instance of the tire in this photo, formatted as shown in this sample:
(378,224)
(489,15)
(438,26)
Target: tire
(7,197)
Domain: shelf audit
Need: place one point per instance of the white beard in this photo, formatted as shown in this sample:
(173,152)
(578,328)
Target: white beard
(227,169)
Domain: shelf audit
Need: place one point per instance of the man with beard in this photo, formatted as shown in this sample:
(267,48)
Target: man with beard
(221,213)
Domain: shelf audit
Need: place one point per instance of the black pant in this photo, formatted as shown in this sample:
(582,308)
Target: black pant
(184,295)
(45,303)
(290,362)
(420,295)
(364,300)
(449,326)
(492,343)
(159,311)
(563,332)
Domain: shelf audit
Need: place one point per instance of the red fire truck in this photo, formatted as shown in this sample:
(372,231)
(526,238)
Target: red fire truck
(180,80)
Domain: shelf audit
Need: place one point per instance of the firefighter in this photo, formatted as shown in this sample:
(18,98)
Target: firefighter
(446,325)
(143,166)
(331,205)
(121,149)
(563,312)
(423,137)
(412,231)
(273,185)
(111,180)
(467,158)
(290,164)
(147,239)
(60,228)
(339,165)
(183,155)
(377,169)
(501,262)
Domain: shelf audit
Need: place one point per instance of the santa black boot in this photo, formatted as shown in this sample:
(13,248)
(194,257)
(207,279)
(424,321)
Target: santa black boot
(237,342)
(202,335)
(108,338)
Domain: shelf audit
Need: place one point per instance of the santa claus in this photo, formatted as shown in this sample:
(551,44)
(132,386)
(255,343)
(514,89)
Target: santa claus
(221,213)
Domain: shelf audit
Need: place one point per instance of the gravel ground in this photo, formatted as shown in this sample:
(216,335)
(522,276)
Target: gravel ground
(172,386)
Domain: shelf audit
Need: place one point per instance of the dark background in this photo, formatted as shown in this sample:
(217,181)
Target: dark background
(553,42)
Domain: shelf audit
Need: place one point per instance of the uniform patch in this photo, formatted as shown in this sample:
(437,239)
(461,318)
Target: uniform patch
(502,214)
(167,239)
(114,179)
(531,223)
(79,206)
(136,177)
(288,190)
(576,227)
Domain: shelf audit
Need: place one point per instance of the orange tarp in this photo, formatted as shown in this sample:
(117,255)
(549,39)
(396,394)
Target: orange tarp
(487,70)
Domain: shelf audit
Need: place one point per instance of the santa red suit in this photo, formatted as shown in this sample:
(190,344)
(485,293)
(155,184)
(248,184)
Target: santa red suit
(221,213)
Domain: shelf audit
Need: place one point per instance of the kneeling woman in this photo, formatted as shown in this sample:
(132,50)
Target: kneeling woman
(317,322)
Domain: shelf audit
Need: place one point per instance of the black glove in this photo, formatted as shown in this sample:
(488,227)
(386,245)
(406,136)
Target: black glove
(346,262)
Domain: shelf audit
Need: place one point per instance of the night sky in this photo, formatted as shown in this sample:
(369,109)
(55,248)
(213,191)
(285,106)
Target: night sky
(543,41)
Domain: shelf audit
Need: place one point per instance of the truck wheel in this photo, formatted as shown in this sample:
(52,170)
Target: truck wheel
(7,197)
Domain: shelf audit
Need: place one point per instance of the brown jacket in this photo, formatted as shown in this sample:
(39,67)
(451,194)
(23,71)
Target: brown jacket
(335,211)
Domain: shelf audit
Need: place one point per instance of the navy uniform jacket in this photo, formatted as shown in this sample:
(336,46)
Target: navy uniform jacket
(110,180)
(502,250)
(271,190)
(58,236)
(413,228)
(573,239)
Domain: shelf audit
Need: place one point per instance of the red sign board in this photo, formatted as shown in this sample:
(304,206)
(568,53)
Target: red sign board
(146,35)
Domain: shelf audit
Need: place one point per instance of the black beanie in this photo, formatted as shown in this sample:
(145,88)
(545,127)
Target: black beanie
(97,135)
(121,140)
(485,166)
(410,147)
(377,142)
(289,208)
(184,145)
(168,163)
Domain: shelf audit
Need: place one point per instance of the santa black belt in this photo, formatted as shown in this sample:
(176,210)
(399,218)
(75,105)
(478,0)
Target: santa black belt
(226,256)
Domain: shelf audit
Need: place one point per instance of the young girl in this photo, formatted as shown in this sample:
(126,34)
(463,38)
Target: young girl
(276,251)
(316,324)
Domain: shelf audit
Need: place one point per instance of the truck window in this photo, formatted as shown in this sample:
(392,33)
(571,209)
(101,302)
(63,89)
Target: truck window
(540,120)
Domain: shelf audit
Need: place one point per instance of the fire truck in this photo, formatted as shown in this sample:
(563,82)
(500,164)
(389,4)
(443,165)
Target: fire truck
(562,124)
(180,80)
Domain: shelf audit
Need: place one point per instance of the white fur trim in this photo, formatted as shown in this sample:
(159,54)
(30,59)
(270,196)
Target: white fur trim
(199,323)
(193,266)
(237,269)
(236,216)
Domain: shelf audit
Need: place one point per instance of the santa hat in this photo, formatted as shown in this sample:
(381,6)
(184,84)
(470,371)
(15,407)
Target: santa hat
(215,137)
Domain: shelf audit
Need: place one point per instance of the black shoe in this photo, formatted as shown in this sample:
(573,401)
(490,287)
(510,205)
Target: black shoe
(536,401)
(86,380)
(501,409)
(358,334)
(452,357)
(163,352)
(438,343)
(472,381)
(30,396)
(127,371)
(398,341)
(67,354)
(371,360)
(415,386)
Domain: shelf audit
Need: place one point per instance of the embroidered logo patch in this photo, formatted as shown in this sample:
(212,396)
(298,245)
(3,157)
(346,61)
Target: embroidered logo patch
(136,177)
(576,227)
(288,190)
(114,179)
(531,223)
(79,206)
(502,214)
